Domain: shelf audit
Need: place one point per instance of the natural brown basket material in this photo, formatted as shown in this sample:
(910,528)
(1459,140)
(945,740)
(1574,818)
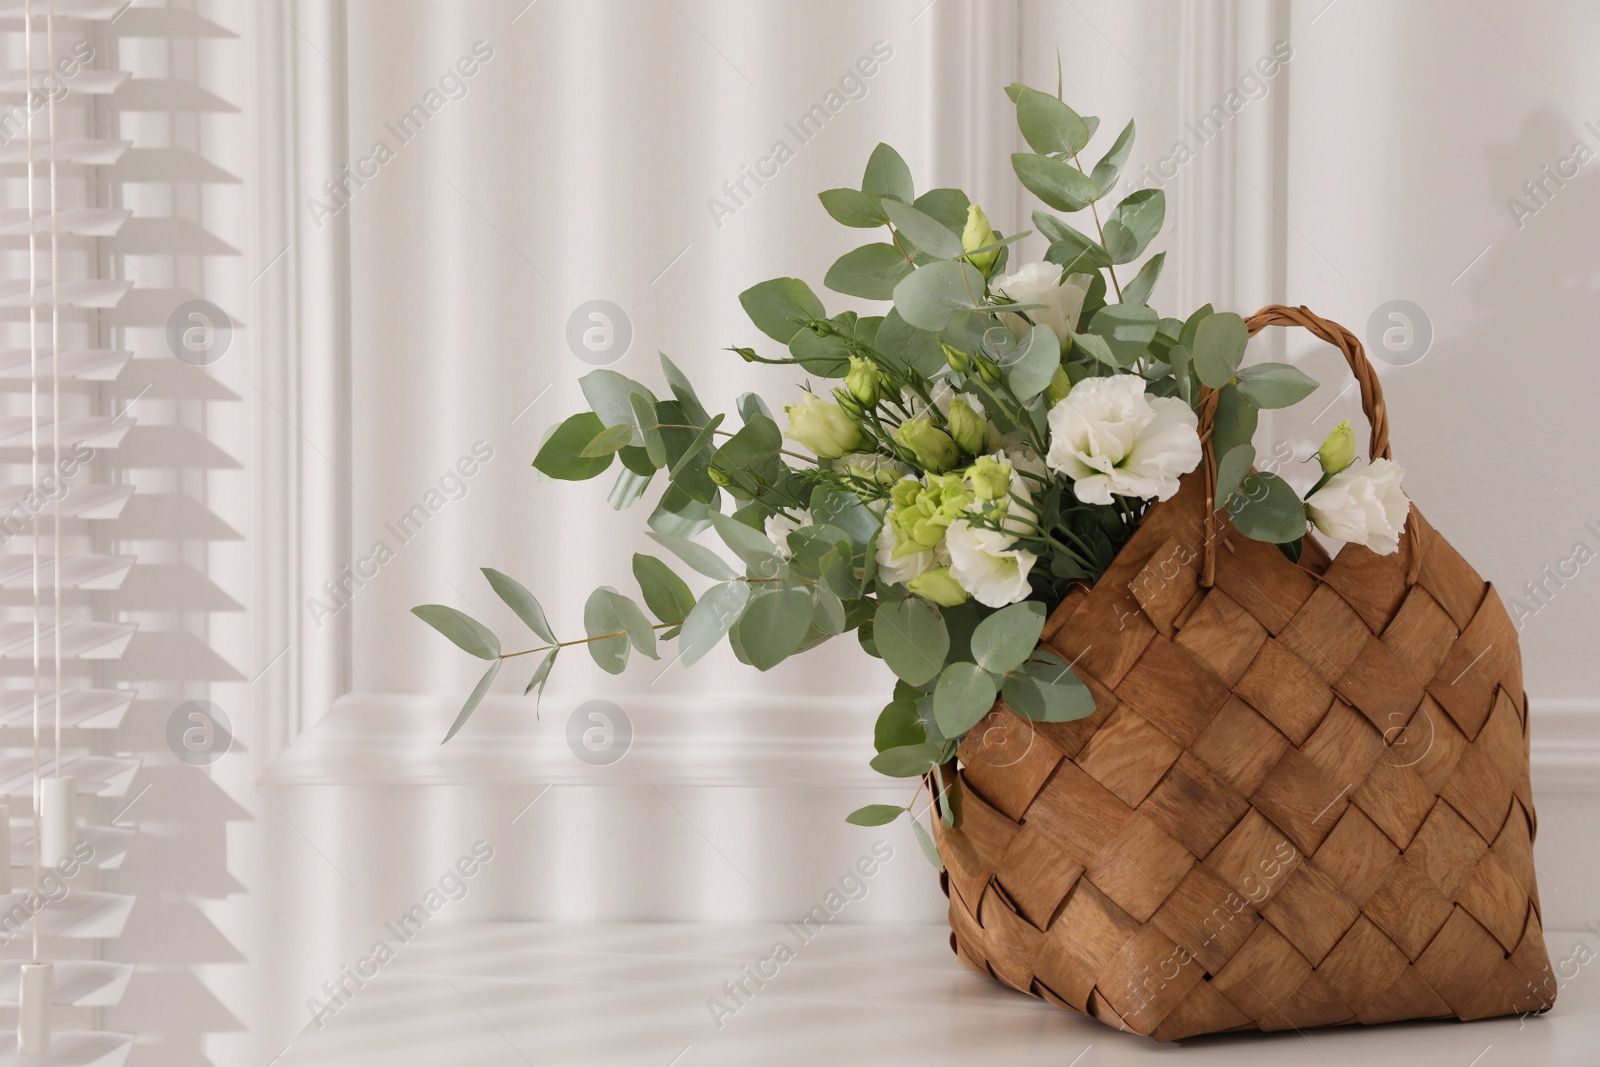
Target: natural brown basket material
(1302,798)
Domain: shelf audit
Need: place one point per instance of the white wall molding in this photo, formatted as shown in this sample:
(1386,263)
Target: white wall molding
(1565,746)
(736,740)
(301,365)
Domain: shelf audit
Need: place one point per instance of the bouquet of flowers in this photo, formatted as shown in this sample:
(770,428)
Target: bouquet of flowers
(959,462)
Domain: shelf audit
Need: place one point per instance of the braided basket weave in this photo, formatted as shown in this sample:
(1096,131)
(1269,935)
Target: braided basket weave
(1302,799)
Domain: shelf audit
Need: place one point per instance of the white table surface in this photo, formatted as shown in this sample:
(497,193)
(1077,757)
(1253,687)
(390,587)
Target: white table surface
(519,994)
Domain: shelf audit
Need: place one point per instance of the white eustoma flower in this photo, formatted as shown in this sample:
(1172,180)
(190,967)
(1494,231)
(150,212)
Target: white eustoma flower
(1040,283)
(1109,437)
(1365,507)
(779,526)
(986,565)
(902,570)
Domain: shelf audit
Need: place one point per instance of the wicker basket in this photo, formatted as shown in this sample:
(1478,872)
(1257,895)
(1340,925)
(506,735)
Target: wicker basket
(1302,799)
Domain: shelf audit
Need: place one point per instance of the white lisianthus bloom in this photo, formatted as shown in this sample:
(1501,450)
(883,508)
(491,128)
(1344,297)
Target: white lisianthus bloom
(1109,437)
(900,571)
(1040,283)
(986,565)
(1365,507)
(779,526)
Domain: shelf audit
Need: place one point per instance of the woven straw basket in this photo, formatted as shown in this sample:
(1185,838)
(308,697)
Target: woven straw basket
(1302,799)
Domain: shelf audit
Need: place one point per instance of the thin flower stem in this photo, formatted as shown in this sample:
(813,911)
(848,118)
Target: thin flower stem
(1071,552)
(1094,210)
(585,641)
(728,433)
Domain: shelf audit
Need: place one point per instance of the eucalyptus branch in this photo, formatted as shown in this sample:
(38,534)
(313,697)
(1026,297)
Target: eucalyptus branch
(1094,210)
(729,433)
(585,641)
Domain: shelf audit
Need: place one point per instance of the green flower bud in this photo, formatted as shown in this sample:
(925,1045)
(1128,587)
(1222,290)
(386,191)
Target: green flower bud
(1059,387)
(1339,450)
(826,429)
(935,450)
(990,479)
(967,427)
(718,475)
(848,403)
(864,381)
(988,370)
(959,361)
(939,586)
(977,234)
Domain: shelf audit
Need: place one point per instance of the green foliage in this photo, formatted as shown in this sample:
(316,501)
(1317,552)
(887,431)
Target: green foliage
(1030,366)
(1134,223)
(665,594)
(1219,343)
(871,272)
(964,694)
(1266,508)
(939,296)
(925,232)
(469,635)
(710,620)
(853,207)
(898,724)
(774,623)
(608,642)
(1109,169)
(1005,639)
(887,176)
(874,815)
(781,307)
(1055,181)
(1045,689)
(474,699)
(1138,290)
(561,456)
(908,761)
(1275,385)
(1048,125)
(1127,329)
(519,600)
(911,638)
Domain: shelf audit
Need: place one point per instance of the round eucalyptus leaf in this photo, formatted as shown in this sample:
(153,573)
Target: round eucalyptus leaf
(964,695)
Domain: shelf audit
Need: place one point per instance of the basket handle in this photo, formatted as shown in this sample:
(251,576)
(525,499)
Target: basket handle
(1372,406)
